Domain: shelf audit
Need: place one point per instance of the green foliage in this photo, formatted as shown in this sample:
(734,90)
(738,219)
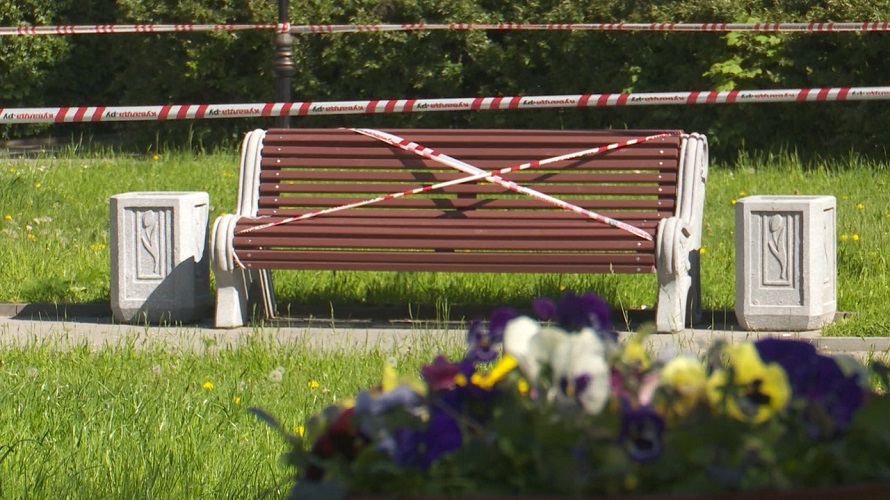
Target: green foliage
(188,68)
(143,422)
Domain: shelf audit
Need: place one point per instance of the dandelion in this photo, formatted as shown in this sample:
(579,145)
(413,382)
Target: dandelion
(313,384)
(299,430)
(155,157)
(701,251)
(844,236)
(741,194)
(860,206)
(36,185)
(236,400)
(276,375)
(855,237)
(9,217)
(732,201)
(208,386)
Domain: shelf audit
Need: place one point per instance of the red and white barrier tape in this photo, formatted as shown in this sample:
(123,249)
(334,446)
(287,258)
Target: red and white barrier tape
(71,29)
(444,159)
(463,180)
(276,109)
(104,29)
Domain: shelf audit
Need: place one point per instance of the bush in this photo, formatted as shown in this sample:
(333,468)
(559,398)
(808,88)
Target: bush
(237,67)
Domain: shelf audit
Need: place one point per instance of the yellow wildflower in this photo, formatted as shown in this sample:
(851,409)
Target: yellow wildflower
(732,201)
(236,400)
(299,430)
(37,185)
(9,217)
(844,237)
(313,384)
(701,251)
(208,386)
(855,237)
(155,157)
(860,206)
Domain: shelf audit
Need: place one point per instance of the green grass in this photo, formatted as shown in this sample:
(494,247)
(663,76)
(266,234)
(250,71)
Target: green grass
(55,229)
(130,423)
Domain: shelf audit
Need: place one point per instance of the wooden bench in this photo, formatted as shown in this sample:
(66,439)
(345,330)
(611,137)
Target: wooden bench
(657,186)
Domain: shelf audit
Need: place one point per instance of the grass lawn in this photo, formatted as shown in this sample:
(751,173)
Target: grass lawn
(132,423)
(55,224)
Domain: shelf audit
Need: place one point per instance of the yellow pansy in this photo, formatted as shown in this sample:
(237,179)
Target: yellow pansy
(748,389)
(687,378)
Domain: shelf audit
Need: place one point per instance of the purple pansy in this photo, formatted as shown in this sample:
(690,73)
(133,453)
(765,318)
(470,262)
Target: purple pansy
(422,447)
(483,338)
(641,433)
(574,313)
(830,396)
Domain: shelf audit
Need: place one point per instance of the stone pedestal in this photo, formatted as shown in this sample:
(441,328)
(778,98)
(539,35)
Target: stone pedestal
(159,257)
(786,276)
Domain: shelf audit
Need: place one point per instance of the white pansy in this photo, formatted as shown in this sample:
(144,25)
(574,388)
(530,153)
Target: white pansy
(518,334)
(581,357)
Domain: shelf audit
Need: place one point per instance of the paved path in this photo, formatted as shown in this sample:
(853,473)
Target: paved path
(22,325)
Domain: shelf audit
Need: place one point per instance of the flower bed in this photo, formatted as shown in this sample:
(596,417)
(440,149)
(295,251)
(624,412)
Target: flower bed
(558,406)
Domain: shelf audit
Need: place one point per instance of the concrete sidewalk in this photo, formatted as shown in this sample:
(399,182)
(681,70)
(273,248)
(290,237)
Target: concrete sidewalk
(92,325)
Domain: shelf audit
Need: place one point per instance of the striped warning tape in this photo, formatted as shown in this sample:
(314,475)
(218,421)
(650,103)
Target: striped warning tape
(276,109)
(70,29)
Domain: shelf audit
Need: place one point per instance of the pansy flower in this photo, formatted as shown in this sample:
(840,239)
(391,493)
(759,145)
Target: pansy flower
(580,371)
(422,447)
(748,389)
(574,313)
(641,432)
(829,395)
(685,380)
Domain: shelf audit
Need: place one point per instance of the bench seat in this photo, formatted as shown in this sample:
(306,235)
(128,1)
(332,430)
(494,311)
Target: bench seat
(656,186)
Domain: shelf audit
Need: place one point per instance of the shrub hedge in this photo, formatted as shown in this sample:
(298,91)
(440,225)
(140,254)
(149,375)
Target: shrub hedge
(220,67)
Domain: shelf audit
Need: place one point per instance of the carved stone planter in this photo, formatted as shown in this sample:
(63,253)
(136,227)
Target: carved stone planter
(160,268)
(786,276)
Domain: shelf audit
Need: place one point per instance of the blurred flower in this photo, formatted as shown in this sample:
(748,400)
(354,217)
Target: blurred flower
(276,375)
(568,411)
(855,237)
(686,378)
(155,157)
(9,217)
(641,432)
(236,400)
(844,236)
(748,389)
(313,384)
(733,201)
(860,206)
(208,386)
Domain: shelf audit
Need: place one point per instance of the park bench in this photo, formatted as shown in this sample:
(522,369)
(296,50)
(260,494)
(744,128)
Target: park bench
(654,188)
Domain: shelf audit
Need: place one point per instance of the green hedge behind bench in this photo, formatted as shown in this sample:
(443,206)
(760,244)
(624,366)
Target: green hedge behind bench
(237,67)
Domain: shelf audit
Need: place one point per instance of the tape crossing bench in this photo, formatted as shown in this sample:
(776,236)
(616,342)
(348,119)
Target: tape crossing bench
(517,201)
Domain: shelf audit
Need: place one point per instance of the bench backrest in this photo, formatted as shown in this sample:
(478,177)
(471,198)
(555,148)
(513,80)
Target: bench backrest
(306,170)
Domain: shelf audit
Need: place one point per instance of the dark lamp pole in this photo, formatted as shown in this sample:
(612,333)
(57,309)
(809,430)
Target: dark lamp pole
(284,67)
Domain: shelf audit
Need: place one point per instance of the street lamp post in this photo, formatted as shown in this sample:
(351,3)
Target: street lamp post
(284,66)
